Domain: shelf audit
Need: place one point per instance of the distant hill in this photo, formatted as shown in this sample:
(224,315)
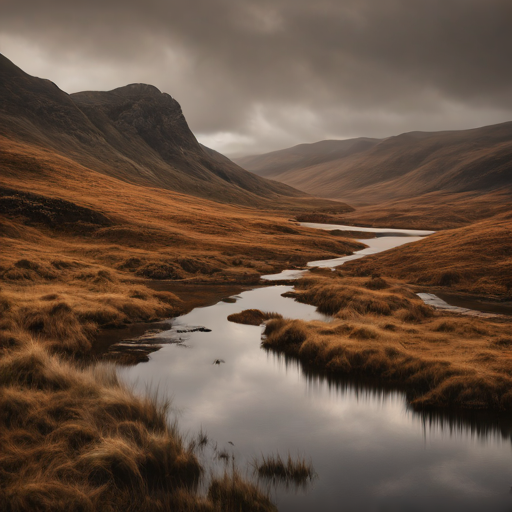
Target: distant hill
(133,133)
(304,155)
(370,171)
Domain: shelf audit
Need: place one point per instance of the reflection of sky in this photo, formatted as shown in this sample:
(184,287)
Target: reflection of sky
(388,231)
(375,245)
(370,451)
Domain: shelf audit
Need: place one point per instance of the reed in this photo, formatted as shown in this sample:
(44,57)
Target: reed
(292,470)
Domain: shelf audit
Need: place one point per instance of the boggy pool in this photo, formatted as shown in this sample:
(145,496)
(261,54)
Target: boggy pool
(370,451)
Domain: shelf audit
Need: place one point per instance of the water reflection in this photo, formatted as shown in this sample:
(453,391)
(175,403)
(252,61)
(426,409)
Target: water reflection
(379,231)
(484,425)
(370,450)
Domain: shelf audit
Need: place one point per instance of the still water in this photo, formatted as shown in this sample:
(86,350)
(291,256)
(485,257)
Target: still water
(371,452)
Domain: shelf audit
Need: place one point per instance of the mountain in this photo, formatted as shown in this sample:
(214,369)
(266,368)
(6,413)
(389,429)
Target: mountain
(117,180)
(133,133)
(304,155)
(370,171)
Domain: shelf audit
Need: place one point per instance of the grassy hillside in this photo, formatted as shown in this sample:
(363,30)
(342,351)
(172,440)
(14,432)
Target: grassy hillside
(135,133)
(103,195)
(476,259)
(448,178)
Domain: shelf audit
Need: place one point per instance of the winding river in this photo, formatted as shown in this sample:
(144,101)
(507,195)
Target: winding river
(370,450)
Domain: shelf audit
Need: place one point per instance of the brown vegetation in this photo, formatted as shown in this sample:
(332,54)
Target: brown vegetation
(252,317)
(389,335)
(84,236)
(83,246)
(78,440)
(231,493)
(476,259)
(297,471)
(81,251)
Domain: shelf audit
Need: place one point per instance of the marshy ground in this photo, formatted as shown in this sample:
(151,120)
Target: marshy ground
(381,330)
(75,262)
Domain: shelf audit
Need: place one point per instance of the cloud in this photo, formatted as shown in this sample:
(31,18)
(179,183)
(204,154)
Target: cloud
(262,74)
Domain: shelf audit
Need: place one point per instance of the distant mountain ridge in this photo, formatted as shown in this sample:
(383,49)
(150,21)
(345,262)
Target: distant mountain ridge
(402,167)
(134,133)
(304,155)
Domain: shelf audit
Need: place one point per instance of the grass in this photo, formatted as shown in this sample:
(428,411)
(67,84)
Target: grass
(231,493)
(389,336)
(252,317)
(77,439)
(83,251)
(476,259)
(80,249)
(297,471)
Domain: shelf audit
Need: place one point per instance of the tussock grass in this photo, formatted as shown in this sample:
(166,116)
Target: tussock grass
(298,471)
(231,493)
(65,318)
(443,361)
(79,440)
(78,249)
(345,299)
(252,317)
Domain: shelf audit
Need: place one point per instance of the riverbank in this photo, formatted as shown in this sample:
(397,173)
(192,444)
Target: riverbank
(72,435)
(382,330)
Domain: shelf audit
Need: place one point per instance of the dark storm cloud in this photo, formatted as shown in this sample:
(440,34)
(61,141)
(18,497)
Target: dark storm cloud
(268,73)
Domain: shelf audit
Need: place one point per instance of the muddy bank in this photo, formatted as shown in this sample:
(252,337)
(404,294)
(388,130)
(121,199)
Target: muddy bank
(136,347)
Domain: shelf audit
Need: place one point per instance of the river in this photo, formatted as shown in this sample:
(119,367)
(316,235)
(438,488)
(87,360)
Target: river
(370,450)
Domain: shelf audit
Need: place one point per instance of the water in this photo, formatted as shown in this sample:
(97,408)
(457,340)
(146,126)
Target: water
(386,239)
(377,231)
(371,452)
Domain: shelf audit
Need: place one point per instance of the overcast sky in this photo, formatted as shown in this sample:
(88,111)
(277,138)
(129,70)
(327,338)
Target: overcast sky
(257,75)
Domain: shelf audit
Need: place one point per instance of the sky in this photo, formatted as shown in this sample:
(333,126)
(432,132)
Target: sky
(257,75)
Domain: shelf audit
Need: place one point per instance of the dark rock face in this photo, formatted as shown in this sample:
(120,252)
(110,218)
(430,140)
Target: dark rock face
(135,133)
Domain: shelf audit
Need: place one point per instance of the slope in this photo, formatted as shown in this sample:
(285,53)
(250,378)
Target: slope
(477,161)
(134,133)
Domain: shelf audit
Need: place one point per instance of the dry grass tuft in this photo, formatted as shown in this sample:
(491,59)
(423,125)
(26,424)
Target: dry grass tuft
(297,471)
(252,317)
(444,361)
(230,493)
(78,440)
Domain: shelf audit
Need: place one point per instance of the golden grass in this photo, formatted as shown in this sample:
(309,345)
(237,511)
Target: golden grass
(78,247)
(79,440)
(252,317)
(476,259)
(230,493)
(78,252)
(441,360)
(65,316)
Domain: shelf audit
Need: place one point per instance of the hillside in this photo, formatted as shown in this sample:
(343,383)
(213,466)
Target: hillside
(304,156)
(133,133)
(475,259)
(92,196)
(398,173)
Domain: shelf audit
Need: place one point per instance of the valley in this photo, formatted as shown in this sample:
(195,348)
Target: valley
(118,228)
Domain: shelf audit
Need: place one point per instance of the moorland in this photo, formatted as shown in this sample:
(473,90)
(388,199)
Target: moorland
(112,214)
